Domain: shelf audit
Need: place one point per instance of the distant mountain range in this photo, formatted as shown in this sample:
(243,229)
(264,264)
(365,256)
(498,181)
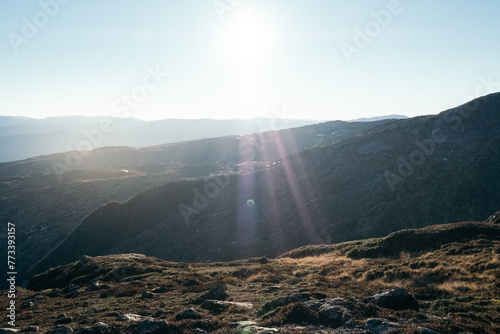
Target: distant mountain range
(256,195)
(22,137)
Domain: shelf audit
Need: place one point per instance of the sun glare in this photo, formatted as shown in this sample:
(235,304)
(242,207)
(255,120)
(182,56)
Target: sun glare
(247,38)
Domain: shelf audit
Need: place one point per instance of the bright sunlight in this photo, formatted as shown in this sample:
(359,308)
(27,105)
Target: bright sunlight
(247,39)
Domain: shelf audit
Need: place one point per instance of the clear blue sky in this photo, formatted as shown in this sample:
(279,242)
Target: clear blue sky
(245,60)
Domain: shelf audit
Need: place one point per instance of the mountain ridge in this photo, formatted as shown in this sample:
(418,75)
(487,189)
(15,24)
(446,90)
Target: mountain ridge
(294,202)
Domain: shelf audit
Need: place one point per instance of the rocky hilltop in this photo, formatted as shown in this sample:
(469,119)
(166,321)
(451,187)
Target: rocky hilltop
(438,279)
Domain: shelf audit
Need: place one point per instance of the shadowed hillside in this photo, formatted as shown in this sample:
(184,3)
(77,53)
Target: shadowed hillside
(404,174)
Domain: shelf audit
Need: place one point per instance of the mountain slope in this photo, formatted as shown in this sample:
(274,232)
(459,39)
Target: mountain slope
(406,173)
(448,287)
(46,206)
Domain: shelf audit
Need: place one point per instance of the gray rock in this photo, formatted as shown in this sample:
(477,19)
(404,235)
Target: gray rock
(313,305)
(334,314)
(220,305)
(129,317)
(380,326)
(395,299)
(71,290)
(199,331)
(188,314)
(264,330)
(272,305)
(150,326)
(243,324)
(423,330)
(216,293)
(97,285)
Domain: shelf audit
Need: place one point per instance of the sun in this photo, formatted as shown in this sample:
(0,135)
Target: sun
(247,38)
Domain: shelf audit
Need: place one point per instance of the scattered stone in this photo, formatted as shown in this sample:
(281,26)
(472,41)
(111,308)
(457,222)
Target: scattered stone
(216,293)
(264,330)
(242,324)
(380,326)
(71,290)
(150,326)
(272,305)
(129,317)
(188,314)
(395,299)
(199,331)
(423,330)
(333,313)
(220,305)
(251,327)
(61,330)
(97,285)
(300,297)
(313,305)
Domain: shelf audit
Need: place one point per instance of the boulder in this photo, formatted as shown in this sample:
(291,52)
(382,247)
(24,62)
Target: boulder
(220,305)
(423,330)
(216,293)
(150,326)
(188,314)
(129,317)
(395,299)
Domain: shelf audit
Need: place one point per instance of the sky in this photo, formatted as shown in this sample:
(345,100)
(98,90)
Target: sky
(226,59)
